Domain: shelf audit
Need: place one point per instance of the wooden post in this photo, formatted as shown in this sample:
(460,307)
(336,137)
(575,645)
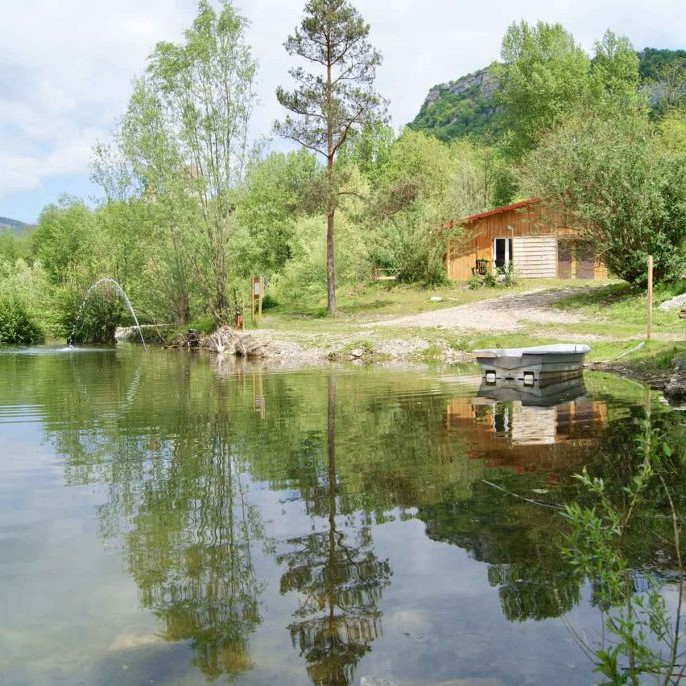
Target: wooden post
(650,296)
(259,311)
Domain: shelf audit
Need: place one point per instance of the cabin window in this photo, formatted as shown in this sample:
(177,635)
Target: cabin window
(502,253)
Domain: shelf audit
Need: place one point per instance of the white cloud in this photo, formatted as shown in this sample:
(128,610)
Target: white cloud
(66,66)
(65,74)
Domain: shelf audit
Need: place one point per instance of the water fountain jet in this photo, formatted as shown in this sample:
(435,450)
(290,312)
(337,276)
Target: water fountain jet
(122,294)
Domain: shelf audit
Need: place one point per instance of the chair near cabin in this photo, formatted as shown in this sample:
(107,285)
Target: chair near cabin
(480,267)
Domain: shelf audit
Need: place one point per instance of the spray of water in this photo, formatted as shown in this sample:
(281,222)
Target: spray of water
(120,292)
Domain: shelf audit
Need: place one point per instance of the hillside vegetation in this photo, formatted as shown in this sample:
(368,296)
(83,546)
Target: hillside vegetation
(14,225)
(469,106)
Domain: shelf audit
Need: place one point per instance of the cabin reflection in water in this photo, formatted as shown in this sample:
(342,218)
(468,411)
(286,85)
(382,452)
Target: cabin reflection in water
(525,437)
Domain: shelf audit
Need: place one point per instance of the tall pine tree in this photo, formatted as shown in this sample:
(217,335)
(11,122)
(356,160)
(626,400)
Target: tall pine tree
(334,99)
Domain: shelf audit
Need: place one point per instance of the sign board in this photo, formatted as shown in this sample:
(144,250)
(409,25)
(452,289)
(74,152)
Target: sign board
(256,296)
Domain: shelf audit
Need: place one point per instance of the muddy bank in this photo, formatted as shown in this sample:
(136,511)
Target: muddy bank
(672,381)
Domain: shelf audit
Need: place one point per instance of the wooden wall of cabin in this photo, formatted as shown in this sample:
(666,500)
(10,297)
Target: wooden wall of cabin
(540,261)
(575,260)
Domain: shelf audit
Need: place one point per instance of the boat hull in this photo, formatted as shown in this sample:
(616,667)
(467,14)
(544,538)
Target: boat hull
(546,395)
(538,365)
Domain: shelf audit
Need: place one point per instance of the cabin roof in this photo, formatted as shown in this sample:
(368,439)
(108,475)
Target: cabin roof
(498,210)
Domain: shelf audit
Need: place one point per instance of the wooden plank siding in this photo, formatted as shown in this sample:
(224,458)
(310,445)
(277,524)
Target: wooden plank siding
(535,257)
(534,230)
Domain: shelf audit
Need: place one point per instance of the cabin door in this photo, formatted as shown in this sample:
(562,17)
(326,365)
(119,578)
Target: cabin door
(564,259)
(502,253)
(585,261)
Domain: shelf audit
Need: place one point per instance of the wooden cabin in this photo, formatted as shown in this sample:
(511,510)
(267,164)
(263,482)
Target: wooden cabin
(533,240)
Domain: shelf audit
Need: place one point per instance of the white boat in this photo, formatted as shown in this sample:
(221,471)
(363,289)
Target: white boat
(540,364)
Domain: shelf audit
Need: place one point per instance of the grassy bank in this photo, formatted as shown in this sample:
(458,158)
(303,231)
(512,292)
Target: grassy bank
(610,316)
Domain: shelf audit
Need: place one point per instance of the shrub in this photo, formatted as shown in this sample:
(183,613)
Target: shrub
(92,321)
(17,326)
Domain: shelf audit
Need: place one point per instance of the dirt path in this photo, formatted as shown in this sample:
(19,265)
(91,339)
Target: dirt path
(504,314)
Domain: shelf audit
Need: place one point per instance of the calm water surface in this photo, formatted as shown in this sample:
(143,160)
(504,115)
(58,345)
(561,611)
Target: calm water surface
(168,519)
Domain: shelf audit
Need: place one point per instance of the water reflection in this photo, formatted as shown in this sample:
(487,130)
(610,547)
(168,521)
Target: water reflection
(507,429)
(190,548)
(253,510)
(339,580)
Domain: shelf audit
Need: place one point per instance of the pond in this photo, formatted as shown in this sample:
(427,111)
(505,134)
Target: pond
(168,518)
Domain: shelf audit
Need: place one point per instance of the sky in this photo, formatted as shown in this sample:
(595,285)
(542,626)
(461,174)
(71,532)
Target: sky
(66,66)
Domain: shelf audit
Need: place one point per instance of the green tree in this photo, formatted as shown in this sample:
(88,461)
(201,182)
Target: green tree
(328,106)
(369,150)
(65,242)
(672,129)
(13,247)
(543,76)
(613,179)
(671,85)
(423,184)
(614,69)
(184,143)
(277,191)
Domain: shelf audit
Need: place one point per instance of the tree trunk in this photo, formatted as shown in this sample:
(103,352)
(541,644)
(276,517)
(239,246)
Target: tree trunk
(330,214)
(330,267)
(330,197)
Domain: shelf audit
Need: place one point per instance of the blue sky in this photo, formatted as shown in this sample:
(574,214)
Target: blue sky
(66,67)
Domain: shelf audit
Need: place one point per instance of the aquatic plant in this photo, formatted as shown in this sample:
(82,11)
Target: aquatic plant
(643,638)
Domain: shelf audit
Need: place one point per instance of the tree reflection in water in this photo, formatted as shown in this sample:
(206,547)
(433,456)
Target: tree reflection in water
(189,548)
(340,581)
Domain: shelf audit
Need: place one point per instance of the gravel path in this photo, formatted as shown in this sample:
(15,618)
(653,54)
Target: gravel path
(505,314)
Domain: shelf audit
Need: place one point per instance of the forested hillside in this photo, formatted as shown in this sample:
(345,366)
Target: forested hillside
(469,106)
(14,225)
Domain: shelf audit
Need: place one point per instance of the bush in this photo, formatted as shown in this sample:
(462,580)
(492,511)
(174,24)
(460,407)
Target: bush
(17,326)
(92,321)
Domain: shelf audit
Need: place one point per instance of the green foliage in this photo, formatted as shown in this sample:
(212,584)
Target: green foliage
(27,285)
(418,168)
(305,272)
(17,325)
(93,321)
(653,61)
(669,89)
(612,177)
(643,640)
(502,277)
(13,246)
(543,76)
(672,128)
(369,150)
(417,245)
(278,190)
(615,71)
(65,242)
